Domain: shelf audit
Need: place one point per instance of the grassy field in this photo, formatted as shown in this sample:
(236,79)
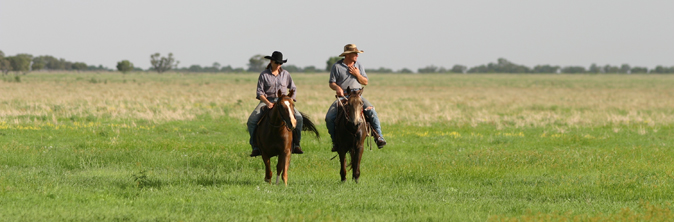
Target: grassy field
(171,147)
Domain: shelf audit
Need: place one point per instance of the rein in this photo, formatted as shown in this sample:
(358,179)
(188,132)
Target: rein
(283,121)
(343,107)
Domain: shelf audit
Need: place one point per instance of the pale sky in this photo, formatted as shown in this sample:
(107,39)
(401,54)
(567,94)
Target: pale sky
(394,34)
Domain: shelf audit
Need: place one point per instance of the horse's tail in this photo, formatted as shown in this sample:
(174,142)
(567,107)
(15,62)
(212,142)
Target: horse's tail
(308,125)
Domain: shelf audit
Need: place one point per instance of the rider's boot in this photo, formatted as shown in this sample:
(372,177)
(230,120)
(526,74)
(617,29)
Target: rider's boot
(256,152)
(371,117)
(380,141)
(297,149)
(297,136)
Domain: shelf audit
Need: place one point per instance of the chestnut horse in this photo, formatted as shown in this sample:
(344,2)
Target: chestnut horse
(350,132)
(274,135)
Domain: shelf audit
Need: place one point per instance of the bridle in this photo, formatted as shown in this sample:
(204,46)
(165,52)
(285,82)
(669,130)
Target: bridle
(346,115)
(277,109)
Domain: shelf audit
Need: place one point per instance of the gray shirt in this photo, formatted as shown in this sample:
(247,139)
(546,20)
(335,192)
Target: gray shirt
(340,75)
(268,84)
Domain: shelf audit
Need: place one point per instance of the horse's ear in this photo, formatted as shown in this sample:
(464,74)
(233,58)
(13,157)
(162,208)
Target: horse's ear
(348,90)
(360,92)
(279,94)
(290,94)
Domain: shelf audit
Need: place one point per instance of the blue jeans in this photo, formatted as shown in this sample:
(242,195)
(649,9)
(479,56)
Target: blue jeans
(257,114)
(370,116)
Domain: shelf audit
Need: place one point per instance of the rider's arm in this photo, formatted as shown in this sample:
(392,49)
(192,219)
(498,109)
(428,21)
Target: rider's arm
(264,99)
(260,92)
(362,79)
(291,86)
(338,90)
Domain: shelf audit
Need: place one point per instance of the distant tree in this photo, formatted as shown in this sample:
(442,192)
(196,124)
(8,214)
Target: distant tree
(227,68)
(238,70)
(594,69)
(637,69)
(331,61)
(611,69)
(137,69)
(195,68)
(310,69)
(51,63)
(257,63)
(216,66)
(79,66)
(380,70)
(478,69)
(502,66)
(573,69)
(98,68)
(5,66)
(545,69)
(46,62)
(405,70)
(663,70)
(20,62)
(505,66)
(292,68)
(458,69)
(625,68)
(124,66)
(428,69)
(38,63)
(209,69)
(163,64)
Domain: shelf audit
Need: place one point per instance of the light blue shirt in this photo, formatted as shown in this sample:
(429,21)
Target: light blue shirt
(340,75)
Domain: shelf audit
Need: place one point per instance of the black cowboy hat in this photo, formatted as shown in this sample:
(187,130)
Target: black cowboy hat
(277,57)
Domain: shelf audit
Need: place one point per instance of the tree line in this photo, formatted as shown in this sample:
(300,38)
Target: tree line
(24,63)
(504,66)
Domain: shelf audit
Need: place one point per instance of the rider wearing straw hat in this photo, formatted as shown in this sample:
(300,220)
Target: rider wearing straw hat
(348,72)
(272,79)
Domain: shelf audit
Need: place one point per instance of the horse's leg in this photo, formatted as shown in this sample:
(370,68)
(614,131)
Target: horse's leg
(356,156)
(342,162)
(286,163)
(280,166)
(267,168)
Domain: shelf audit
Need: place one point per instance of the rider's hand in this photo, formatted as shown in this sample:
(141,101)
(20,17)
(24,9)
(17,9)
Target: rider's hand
(270,105)
(340,93)
(354,71)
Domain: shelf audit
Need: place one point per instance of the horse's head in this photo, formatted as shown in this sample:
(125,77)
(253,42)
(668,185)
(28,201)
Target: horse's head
(286,107)
(355,105)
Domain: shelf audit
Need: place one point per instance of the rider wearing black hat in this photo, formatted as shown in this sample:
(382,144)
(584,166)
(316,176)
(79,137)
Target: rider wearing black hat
(272,79)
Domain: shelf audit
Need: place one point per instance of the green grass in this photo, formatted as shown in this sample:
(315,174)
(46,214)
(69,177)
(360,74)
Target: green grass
(58,167)
(199,170)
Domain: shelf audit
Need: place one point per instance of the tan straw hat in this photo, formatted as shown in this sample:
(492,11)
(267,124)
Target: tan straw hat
(350,48)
